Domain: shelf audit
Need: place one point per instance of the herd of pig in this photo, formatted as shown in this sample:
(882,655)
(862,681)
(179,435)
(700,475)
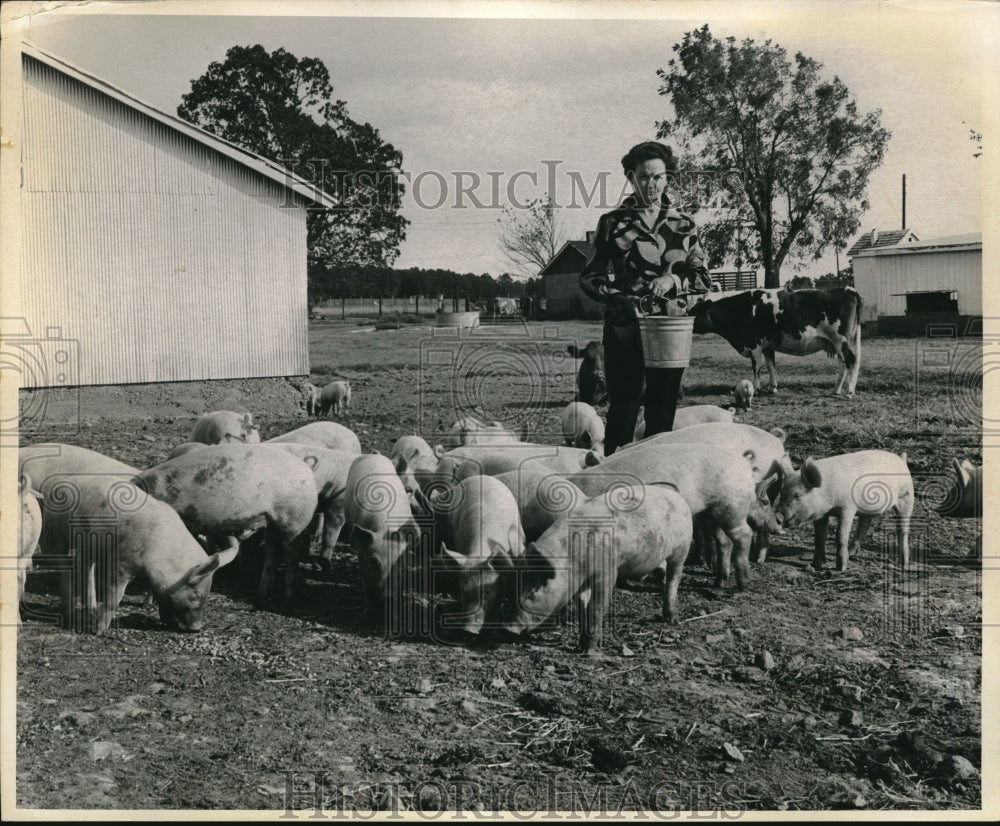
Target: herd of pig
(520,529)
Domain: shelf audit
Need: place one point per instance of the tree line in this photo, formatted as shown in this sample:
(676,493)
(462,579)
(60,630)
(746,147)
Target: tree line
(326,283)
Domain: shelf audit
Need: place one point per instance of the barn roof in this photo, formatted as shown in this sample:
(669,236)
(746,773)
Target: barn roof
(949,243)
(883,238)
(259,164)
(584,248)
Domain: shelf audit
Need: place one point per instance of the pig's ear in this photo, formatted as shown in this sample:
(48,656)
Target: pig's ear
(731,410)
(229,438)
(962,472)
(248,421)
(195,575)
(225,557)
(810,473)
(362,539)
(779,433)
(586,440)
(591,459)
(438,451)
(459,559)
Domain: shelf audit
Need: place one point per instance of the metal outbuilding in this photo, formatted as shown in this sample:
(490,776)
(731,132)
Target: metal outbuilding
(936,281)
(150,250)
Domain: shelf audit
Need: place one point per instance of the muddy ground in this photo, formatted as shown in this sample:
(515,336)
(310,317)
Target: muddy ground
(808,691)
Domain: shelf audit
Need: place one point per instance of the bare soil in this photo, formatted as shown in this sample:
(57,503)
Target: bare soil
(808,691)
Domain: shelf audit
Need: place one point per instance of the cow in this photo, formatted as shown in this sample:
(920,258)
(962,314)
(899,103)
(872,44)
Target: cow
(505,307)
(591,383)
(758,323)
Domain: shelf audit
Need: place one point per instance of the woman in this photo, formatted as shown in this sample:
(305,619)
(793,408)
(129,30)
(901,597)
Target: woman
(644,247)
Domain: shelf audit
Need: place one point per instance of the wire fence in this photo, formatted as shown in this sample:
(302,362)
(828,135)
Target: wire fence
(376,307)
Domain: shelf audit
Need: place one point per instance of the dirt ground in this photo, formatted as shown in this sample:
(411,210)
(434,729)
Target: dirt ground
(808,691)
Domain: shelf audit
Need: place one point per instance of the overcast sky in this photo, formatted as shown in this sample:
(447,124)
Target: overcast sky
(502,96)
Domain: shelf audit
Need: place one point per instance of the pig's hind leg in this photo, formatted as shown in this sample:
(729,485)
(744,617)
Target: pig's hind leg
(860,532)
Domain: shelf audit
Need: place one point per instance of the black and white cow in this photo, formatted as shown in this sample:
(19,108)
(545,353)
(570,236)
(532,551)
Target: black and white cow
(507,307)
(758,323)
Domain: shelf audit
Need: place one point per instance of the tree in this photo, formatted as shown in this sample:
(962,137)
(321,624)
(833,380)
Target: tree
(799,282)
(530,237)
(283,109)
(796,151)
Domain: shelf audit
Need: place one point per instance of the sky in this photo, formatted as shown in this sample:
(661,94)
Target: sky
(504,96)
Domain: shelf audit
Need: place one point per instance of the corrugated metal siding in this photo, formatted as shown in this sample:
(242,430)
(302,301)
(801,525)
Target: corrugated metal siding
(166,260)
(879,277)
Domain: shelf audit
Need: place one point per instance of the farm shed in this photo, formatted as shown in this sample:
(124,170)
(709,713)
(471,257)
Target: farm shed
(152,249)
(561,282)
(910,286)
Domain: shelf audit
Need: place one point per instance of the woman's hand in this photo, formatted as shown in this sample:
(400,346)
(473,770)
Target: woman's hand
(662,286)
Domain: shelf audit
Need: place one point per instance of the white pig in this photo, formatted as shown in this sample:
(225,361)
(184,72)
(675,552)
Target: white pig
(323,434)
(383,529)
(493,459)
(414,460)
(743,394)
(329,469)
(223,426)
(336,397)
(29,528)
(470,431)
(691,415)
(582,427)
(542,497)
(866,483)
(628,531)
(89,495)
(485,523)
(708,478)
(228,492)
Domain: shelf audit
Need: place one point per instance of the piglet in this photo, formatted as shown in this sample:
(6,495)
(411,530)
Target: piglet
(582,427)
(744,394)
(867,483)
(223,426)
(628,531)
(485,524)
(336,397)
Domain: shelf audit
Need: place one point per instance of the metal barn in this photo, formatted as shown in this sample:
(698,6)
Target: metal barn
(151,249)
(937,281)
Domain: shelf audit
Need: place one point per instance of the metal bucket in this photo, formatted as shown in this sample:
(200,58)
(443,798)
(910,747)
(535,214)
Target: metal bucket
(666,340)
(470,319)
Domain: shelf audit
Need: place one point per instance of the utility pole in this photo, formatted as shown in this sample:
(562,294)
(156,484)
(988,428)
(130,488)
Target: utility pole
(904,202)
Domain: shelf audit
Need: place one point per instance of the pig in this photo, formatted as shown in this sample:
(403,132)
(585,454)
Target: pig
(485,522)
(708,479)
(470,431)
(29,529)
(185,447)
(414,460)
(228,492)
(224,426)
(763,450)
(308,391)
(628,531)
(542,497)
(965,501)
(86,493)
(330,469)
(591,383)
(336,397)
(51,459)
(743,394)
(866,483)
(384,533)
(323,434)
(582,427)
(493,459)
(693,414)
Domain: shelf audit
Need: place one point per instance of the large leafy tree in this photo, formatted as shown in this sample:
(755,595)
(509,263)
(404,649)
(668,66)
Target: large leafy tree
(797,152)
(283,108)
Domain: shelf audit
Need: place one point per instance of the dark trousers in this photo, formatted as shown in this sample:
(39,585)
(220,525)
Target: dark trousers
(626,375)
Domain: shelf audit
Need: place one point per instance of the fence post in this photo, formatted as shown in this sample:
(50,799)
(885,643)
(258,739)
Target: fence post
(343,312)
(380,306)
(418,305)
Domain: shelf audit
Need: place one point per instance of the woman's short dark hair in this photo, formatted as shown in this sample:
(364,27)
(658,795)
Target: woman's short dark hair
(649,151)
